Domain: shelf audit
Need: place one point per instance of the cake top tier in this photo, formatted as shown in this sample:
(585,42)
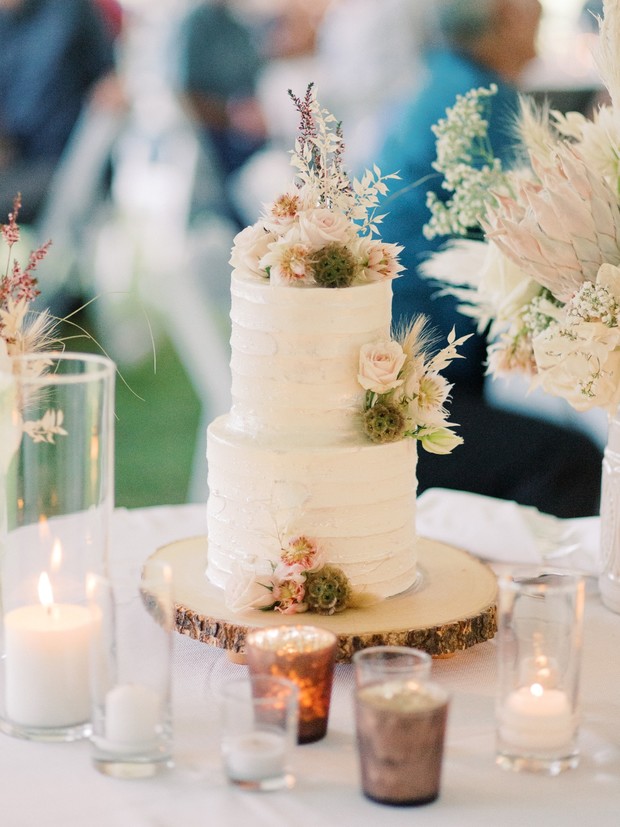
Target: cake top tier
(323,230)
(312,356)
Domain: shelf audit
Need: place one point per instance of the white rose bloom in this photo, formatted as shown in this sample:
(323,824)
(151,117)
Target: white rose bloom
(320,226)
(250,245)
(503,286)
(379,366)
(247,588)
(580,363)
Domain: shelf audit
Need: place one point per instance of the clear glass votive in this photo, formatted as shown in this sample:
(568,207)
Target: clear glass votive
(259,731)
(401,726)
(540,620)
(131,673)
(56,497)
(305,655)
(380,663)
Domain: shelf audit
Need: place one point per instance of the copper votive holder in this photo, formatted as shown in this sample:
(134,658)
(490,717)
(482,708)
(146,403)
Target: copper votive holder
(304,655)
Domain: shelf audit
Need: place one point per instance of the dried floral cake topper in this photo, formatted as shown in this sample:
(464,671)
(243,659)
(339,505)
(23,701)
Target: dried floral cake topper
(546,275)
(322,231)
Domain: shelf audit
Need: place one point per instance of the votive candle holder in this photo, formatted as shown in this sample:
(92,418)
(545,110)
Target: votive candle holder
(305,655)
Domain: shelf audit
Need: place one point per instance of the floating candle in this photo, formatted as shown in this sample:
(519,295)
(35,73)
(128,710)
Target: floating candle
(538,719)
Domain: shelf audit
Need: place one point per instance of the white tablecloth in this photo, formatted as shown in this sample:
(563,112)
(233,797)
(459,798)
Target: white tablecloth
(55,785)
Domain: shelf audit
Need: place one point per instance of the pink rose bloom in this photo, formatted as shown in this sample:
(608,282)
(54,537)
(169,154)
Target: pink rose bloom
(319,227)
(380,365)
(250,245)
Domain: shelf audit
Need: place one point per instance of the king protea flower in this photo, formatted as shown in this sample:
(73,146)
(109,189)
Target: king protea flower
(561,229)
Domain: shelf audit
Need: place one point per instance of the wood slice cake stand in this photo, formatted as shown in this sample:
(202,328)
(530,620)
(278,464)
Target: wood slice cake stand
(450,609)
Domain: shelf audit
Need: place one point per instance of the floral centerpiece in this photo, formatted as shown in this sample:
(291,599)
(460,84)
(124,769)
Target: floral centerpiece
(538,264)
(543,277)
(323,232)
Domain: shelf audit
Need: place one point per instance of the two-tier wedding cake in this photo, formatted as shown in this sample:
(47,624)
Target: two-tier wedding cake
(312,474)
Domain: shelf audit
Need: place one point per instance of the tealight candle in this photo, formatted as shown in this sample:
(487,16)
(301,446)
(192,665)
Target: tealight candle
(46,672)
(255,756)
(132,715)
(538,719)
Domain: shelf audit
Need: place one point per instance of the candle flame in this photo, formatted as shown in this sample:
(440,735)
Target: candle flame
(56,558)
(537,690)
(46,595)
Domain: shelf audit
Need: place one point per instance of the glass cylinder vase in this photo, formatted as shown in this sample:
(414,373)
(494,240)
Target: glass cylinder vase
(609,578)
(56,490)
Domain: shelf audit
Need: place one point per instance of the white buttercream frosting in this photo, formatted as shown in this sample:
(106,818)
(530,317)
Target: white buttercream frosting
(295,353)
(291,457)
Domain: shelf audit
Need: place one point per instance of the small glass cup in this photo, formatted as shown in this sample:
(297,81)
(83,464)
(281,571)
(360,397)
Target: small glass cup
(540,619)
(305,655)
(380,663)
(131,673)
(259,731)
(401,725)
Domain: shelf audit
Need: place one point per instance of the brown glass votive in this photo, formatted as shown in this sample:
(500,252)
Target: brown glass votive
(400,734)
(304,655)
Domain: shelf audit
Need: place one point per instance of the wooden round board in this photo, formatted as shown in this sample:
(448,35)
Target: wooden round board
(450,609)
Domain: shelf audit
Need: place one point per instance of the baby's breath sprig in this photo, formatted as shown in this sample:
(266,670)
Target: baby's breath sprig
(470,171)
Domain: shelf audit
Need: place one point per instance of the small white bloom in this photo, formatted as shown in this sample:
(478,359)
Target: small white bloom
(380,364)
(440,441)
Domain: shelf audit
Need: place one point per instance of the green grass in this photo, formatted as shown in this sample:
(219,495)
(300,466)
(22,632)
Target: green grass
(157,415)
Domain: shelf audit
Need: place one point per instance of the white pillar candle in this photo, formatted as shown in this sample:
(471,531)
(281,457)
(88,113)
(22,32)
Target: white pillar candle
(46,667)
(255,756)
(132,718)
(538,719)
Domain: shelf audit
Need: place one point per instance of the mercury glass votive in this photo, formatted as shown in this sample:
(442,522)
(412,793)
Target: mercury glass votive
(305,655)
(377,664)
(401,727)
(540,618)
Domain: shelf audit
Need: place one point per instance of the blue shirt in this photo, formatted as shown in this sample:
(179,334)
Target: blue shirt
(409,148)
(51,52)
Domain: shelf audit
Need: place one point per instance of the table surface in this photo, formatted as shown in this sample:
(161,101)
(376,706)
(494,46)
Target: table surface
(57,786)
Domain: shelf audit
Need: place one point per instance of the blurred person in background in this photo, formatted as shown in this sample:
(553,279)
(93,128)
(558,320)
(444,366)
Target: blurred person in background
(55,56)
(369,56)
(219,65)
(504,454)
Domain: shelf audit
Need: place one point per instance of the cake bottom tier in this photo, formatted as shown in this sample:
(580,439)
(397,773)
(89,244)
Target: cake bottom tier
(356,501)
